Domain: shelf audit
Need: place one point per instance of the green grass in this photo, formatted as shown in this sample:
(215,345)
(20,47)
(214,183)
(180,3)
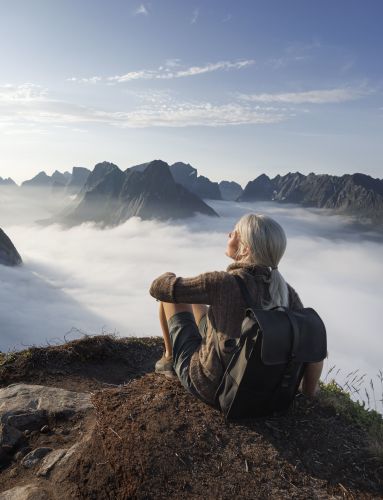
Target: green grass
(370,420)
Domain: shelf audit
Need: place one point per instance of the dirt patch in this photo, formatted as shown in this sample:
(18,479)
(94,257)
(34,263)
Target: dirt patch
(153,440)
(84,365)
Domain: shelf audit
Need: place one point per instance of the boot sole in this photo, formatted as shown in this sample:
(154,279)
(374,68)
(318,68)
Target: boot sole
(168,374)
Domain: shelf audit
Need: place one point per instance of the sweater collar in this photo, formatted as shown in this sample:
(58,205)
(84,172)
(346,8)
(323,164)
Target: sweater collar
(254,269)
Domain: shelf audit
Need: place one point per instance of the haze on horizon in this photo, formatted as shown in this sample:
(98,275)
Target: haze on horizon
(234,88)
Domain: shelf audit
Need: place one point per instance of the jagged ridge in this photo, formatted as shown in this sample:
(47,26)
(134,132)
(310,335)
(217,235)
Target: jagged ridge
(111,196)
(355,194)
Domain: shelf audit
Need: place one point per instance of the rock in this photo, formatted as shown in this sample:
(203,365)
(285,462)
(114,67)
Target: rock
(4,458)
(50,461)
(9,436)
(9,256)
(19,399)
(32,420)
(28,492)
(24,451)
(71,451)
(34,457)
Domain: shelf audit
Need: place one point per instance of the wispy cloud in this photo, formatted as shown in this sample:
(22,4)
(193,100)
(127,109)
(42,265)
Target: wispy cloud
(346,66)
(141,10)
(185,114)
(227,18)
(29,108)
(172,63)
(26,92)
(294,53)
(195,16)
(309,97)
(168,72)
(92,79)
(155,110)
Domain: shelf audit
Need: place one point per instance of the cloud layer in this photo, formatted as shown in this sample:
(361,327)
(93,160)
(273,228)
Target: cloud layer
(95,280)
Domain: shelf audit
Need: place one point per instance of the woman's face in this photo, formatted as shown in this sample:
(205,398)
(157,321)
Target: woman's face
(232,244)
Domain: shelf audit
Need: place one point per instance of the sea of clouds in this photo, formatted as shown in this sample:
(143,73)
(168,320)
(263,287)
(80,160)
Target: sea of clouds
(91,280)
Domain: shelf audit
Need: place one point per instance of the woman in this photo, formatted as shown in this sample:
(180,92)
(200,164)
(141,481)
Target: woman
(256,245)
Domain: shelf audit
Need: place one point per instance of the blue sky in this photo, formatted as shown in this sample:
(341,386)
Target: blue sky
(236,88)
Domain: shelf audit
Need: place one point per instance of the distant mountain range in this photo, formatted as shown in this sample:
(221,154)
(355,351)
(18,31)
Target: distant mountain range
(111,196)
(358,195)
(158,190)
(188,177)
(67,183)
(7,182)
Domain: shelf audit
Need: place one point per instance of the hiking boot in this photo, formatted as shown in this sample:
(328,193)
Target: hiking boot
(165,366)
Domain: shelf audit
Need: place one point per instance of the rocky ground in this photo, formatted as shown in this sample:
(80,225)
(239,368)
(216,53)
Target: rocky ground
(89,419)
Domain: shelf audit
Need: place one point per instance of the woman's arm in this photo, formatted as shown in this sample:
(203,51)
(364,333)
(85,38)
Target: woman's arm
(310,383)
(202,289)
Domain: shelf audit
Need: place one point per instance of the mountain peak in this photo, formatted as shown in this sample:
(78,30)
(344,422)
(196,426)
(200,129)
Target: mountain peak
(39,180)
(9,256)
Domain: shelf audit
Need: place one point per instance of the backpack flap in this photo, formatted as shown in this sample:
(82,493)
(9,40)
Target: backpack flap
(277,335)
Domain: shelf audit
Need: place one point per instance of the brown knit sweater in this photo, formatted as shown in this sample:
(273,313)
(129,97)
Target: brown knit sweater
(220,291)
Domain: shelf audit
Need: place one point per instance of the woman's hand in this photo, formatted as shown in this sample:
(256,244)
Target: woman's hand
(162,287)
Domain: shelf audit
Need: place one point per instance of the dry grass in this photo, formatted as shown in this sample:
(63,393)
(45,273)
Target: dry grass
(359,413)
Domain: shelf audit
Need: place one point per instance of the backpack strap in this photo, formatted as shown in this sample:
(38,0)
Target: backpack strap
(249,303)
(245,292)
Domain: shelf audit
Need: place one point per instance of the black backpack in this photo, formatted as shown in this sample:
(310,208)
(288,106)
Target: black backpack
(267,365)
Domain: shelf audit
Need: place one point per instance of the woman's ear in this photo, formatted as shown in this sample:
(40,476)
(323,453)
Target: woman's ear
(246,252)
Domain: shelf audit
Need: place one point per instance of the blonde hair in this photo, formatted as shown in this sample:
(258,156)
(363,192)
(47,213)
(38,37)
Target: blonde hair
(265,242)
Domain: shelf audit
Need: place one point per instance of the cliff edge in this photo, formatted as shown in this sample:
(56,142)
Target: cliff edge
(90,419)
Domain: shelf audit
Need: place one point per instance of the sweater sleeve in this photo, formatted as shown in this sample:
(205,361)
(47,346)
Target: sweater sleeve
(202,289)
